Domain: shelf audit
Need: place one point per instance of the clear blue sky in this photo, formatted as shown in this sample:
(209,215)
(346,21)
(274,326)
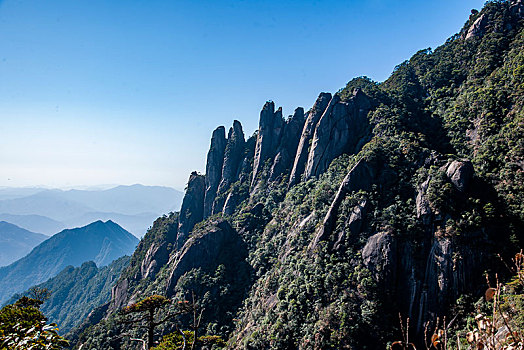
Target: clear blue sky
(121,92)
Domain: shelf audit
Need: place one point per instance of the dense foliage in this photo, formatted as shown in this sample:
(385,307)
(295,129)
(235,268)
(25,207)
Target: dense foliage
(416,240)
(75,292)
(23,326)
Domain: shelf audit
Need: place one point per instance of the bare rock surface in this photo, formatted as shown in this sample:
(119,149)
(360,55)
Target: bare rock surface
(270,130)
(338,131)
(214,164)
(308,130)
(460,174)
(192,210)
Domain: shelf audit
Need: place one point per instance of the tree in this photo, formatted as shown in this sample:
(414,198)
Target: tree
(145,313)
(23,326)
(40,294)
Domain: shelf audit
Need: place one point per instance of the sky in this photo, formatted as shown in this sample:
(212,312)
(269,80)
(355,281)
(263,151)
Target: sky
(123,92)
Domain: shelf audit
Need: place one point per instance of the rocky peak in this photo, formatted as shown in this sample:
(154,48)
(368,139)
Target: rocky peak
(215,161)
(192,210)
(269,133)
(288,145)
(307,133)
(233,157)
(339,130)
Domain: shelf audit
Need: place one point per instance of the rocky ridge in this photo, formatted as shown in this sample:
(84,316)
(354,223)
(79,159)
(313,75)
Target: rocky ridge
(370,203)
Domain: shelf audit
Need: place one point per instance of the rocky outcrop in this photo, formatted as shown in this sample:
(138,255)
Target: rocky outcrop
(233,156)
(353,224)
(192,210)
(380,257)
(232,201)
(217,244)
(308,130)
(214,164)
(423,281)
(360,177)
(478,28)
(487,22)
(460,174)
(158,253)
(517,8)
(422,202)
(288,145)
(339,130)
(119,295)
(270,130)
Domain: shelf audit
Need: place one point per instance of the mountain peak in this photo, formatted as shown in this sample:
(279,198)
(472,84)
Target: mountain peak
(101,242)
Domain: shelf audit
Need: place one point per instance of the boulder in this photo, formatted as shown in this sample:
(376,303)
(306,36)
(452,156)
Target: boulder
(214,164)
(157,255)
(422,202)
(119,294)
(216,244)
(460,174)
(380,257)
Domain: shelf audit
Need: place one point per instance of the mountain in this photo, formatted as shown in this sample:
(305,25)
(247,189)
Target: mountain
(382,199)
(76,291)
(101,242)
(17,192)
(38,223)
(136,224)
(130,200)
(49,203)
(15,242)
(50,210)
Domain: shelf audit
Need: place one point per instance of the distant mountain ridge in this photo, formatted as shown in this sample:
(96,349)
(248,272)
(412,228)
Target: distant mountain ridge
(16,242)
(101,242)
(50,210)
(35,223)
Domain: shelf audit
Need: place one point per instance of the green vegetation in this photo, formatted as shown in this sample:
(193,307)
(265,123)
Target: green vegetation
(23,326)
(414,241)
(75,292)
(175,341)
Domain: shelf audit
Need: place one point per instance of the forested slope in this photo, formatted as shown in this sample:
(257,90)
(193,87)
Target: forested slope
(383,198)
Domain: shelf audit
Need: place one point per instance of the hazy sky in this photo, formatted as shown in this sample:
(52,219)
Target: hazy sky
(122,92)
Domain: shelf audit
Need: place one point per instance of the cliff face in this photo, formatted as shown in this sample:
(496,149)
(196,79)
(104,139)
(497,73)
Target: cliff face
(214,164)
(323,227)
(313,117)
(269,133)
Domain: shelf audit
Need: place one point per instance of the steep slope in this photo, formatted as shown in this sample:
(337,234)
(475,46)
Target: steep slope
(393,197)
(15,242)
(101,242)
(75,292)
